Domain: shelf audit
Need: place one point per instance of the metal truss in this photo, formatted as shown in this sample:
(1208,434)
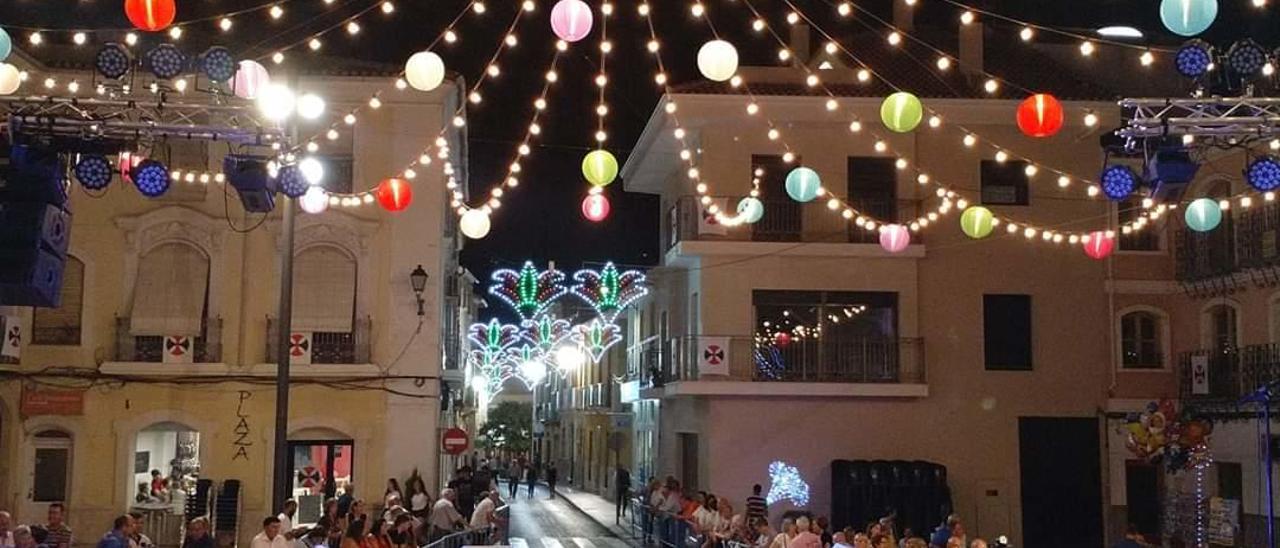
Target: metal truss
(1240,118)
(132,119)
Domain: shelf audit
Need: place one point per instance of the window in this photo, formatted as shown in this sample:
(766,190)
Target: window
(1005,183)
(1006,332)
(52,470)
(1140,341)
(783,219)
(1219,326)
(339,173)
(826,336)
(61,326)
(872,185)
(1147,239)
(324,294)
(169,296)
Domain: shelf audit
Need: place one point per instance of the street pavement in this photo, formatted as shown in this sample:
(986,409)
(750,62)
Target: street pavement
(543,522)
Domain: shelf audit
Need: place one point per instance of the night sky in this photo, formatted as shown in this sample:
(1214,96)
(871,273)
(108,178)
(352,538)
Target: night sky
(541,219)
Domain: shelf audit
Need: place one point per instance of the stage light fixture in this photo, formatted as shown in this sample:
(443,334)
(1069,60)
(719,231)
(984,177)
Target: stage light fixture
(1246,58)
(290,181)
(251,178)
(113,61)
(1263,173)
(218,64)
(165,61)
(1118,182)
(1194,59)
(93,171)
(151,178)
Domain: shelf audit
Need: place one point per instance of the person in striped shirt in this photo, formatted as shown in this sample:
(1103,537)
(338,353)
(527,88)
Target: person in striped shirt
(757,509)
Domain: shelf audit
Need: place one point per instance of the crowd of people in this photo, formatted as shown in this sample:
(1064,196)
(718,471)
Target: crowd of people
(676,515)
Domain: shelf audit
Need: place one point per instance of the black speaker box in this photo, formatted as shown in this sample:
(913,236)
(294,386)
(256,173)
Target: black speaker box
(33,224)
(34,174)
(30,277)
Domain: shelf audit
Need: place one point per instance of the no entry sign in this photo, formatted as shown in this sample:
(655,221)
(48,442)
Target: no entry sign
(455,441)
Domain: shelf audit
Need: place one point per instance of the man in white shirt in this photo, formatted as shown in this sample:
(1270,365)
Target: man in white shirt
(482,516)
(286,517)
(444,518)
(270,536)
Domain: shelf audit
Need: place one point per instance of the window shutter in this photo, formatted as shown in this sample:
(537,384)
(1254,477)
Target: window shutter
(62,325)
(169,296)
(324,291)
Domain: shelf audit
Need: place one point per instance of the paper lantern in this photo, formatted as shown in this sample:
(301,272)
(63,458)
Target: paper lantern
(251,78)
(599,167)
(314,200)
(803,184)
(977,222)
(1188,17)
(894,238)
(901,112)
(1040,115)
(750,209)
(424,71)
(474,224)
(1203,215)
(595,207)
(150,15)
(571,20)
(394,194)
(10,79)
(1099,245)
(6,45)
(718,60)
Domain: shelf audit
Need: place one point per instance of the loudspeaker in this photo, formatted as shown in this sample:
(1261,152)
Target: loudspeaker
(30,277)
(248,174)
(34,174)
(33,224)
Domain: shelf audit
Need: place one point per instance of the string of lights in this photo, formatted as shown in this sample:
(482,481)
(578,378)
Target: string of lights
(271,7)
(1027,29)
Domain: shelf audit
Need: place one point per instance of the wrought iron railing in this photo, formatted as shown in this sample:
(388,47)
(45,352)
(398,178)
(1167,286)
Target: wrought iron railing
(331,347)
(1246,239)
(1227,375)
(834,359)
(784,220)
(206,347)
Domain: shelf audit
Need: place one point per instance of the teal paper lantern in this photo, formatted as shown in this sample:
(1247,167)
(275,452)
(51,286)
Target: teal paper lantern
(901,112)
(1188,17)
(6,45)
(1203,215)
(803,184)
(750,209)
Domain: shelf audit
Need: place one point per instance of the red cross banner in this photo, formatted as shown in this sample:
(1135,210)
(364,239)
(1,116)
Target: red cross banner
(713,355)
(178,349)
(310,476)
(300,348)
(707,223)
(1200,374)
(12,346)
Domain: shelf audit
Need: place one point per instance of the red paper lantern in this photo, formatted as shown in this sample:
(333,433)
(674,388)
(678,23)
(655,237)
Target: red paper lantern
(394,194)
(1099,245)
(1040,115)
(150,15)
(781,339)
(595,207)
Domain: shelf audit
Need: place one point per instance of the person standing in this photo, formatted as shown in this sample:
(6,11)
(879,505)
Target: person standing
(757,507)
(392,496)
(444,518)
(6,535)
(286,517)
(622,487)
(198,534)
(270,536)
(59,532)
(551,479)
(121,530)
(514,474)
(483,516)
(531,476)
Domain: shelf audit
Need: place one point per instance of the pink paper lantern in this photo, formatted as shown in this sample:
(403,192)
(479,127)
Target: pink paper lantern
(251,78)
(571,20)
(595,208)
(1099,245)
(895,238)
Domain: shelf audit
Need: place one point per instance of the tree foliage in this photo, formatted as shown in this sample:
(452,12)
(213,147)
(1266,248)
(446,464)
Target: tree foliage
(509,427)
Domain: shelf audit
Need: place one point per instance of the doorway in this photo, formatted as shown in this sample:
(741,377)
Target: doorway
(1142,496)
(321,469)
(1061,467)
(688,460)
(50,477)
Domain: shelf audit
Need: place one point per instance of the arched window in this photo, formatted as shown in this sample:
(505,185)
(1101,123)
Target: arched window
(61,326)
(171,292)
(1141,340)
(324,290)
(1220,328)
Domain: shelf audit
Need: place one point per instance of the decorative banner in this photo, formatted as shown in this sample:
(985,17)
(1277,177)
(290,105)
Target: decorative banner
(713,355)
(178,349)
(708,224)
(1200,375)
(12,347)
(310,477)
(300,348)
(38,401)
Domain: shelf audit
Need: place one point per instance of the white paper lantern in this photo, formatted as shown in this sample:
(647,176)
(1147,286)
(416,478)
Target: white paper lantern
(424,71)
(250,79)
(316,200)
(474,224)
(718,60)
(10,79)
(276,101)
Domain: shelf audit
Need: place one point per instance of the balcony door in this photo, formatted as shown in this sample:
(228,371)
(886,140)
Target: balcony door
(873,191)
(826,336)
(783,219)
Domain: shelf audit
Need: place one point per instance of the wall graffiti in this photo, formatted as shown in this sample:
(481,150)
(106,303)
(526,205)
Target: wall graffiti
(242,442)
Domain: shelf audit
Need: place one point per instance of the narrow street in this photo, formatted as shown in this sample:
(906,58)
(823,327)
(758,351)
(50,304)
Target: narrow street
(542,522)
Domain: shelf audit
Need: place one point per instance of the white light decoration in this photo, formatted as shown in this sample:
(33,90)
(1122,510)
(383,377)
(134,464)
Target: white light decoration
(276,102)
(533,371)
(718,60)
(570,358)
(314,201)
(312,170)
(10,79)
(424,71)
(786,483)
(310,106)
(474,224)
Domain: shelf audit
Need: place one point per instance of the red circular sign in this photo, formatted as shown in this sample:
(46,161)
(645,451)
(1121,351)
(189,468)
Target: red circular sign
(455,441)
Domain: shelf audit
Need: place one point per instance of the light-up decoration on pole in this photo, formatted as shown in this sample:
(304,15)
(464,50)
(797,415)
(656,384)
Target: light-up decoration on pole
(594,338)
(786,483)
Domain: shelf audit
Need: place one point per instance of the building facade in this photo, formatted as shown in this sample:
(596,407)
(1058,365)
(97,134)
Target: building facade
(162,355)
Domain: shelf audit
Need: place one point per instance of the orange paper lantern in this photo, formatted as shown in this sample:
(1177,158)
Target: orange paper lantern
(394,194)
(150,15)
(1040,115)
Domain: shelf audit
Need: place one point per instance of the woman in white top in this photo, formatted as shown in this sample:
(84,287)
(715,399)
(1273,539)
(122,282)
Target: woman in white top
(783,540)
(419,500)
(392,496)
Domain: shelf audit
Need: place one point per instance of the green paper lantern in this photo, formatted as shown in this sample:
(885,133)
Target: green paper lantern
(1203,215)
(977,222)
(751,209)
(901,112)
(600,167)
(803,184)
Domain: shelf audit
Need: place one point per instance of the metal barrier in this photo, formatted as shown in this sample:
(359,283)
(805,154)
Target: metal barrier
(497,533)
(665,529)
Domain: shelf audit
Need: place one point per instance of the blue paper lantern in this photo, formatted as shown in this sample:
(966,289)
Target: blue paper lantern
(290,182)
(803,184)
(1263,174)
(751,209)
(1118,182)
(1203,215)
(6,45)
(151,178)
(93,171)
(1188,17)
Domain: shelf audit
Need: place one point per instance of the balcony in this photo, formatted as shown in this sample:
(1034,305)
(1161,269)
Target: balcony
(1247,239)
(1230,374)
(331,348)
(206,347)
(835,367)
(785,221)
